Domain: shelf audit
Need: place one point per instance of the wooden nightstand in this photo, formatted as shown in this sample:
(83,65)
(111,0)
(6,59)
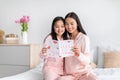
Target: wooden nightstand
(18,58)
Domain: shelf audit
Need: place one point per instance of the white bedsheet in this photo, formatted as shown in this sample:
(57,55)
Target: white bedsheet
(108,73)
(36,74)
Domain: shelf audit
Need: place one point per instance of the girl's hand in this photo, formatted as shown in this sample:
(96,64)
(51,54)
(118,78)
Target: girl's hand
(76,50)
(44,50)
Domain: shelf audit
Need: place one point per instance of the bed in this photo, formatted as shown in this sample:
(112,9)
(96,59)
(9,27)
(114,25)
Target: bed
(35,74)
(103,71)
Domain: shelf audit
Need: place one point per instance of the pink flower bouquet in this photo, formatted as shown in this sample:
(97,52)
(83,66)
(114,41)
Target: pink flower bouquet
(24,22)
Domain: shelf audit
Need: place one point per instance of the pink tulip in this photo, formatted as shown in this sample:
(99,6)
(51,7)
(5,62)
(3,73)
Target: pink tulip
(24,19)
(24,22)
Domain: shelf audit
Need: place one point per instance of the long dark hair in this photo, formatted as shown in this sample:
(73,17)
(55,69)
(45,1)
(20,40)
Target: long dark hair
(74,16)
(53,34)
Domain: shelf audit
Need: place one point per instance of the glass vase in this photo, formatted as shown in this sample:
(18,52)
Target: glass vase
(24,36)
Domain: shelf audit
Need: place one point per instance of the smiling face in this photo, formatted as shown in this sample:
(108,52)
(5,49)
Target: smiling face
(59,28)
(70,25)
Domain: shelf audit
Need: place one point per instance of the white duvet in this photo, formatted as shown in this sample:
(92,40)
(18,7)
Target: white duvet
(35,74)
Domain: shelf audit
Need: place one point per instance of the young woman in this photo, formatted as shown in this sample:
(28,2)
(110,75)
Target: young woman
(77,67)
(53,66)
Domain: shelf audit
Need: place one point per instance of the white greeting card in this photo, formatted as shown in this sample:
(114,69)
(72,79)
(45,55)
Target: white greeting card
(61,48)
(65,48)
(53,48)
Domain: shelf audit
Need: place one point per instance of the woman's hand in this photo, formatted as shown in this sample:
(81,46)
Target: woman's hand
(76,50)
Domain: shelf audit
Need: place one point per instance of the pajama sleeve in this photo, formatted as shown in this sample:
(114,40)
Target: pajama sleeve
(45,43)
(84,56)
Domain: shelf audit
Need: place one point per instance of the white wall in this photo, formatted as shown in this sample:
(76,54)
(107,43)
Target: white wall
(100,18)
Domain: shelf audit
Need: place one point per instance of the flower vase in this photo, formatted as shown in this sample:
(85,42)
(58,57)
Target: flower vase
(24,35)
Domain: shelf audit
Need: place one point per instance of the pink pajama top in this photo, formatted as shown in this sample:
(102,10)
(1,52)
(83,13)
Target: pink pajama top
(79,64)
(53,63)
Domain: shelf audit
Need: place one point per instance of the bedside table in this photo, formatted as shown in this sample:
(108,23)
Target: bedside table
(18,58)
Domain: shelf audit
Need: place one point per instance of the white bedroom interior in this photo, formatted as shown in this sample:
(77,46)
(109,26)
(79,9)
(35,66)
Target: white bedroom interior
(100,18)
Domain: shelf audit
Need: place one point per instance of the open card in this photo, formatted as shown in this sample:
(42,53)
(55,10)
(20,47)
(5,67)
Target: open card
(61,48)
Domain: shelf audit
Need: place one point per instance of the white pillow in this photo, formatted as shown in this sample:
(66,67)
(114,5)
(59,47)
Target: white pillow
(100,52)
(93,55)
